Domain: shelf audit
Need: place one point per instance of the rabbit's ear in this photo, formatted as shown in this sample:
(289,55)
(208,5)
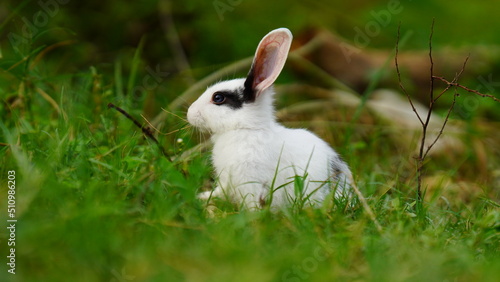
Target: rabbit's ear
(268,62)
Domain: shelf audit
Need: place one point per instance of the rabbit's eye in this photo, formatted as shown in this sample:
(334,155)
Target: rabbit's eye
(218,98)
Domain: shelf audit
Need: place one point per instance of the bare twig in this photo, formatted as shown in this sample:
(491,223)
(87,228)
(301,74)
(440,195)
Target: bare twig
(450,109)
(431,88)
(423,152)
(467,89)
(425,125)
(454,82)
(146,130)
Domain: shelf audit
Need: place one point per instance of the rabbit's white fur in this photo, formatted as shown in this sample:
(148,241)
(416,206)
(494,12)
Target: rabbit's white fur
(253,155)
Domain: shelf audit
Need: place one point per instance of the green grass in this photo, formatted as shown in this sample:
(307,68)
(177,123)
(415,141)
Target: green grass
(97,201)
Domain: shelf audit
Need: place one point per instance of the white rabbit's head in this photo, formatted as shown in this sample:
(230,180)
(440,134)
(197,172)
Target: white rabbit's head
(245,103)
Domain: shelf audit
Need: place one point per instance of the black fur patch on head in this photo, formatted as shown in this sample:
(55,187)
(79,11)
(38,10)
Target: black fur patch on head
(234,99)
(248,91)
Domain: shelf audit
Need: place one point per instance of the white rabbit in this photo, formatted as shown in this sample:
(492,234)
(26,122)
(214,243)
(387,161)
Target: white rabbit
(258,161)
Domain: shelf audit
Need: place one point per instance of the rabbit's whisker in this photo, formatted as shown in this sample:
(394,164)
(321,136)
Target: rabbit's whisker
(175,115)
(167,133)
(177,130)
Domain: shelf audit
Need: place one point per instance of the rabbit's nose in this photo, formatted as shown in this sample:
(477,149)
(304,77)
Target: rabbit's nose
(194,116)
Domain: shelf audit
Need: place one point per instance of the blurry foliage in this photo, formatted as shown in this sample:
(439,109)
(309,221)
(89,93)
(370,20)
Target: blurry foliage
(107,30)
(106,34)
(102,39)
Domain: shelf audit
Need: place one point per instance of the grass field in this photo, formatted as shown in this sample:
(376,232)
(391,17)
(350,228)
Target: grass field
(95,200)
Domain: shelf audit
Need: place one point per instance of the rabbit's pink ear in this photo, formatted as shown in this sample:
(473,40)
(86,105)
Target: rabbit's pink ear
(269,60)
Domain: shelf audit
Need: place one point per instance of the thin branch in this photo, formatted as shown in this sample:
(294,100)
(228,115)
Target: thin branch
(455,79)
(431,90)
(432,101)
(467,89)
(453,83)
(450,109)
(399,77)
(444,91)
(146,130)
(462,70)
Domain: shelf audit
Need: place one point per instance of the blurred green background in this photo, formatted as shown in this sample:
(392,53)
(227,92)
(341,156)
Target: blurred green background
(107,30)
(214,33)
